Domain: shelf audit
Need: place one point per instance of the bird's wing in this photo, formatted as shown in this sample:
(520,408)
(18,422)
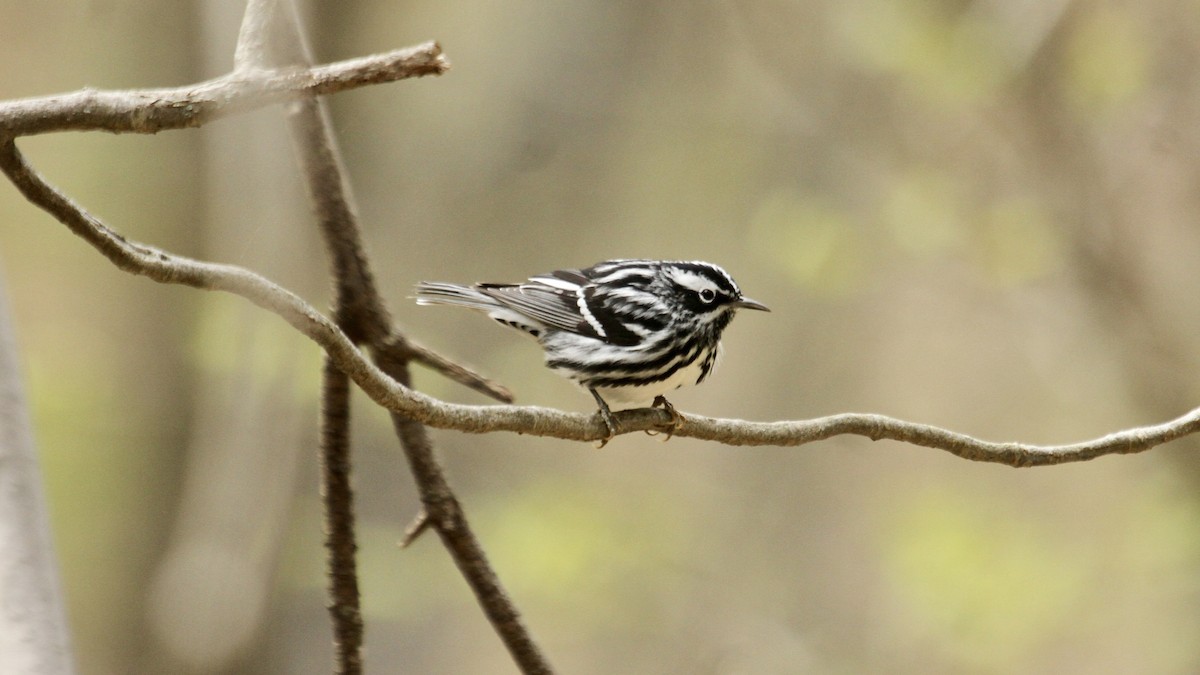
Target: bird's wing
(556,308)
(563,300)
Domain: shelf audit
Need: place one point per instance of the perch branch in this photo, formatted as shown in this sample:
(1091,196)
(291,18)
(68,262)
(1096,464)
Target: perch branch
(167,268)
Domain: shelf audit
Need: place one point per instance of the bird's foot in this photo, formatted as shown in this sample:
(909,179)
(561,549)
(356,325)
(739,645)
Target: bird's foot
(676,417)
(606,416)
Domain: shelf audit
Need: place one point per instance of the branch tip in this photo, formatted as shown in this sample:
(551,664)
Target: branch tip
(420,523)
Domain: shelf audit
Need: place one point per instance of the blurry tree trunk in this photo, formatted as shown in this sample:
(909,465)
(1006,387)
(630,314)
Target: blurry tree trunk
(211,588)
(33,627)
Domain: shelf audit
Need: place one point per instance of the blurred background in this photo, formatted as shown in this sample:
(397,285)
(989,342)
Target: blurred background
(976,214)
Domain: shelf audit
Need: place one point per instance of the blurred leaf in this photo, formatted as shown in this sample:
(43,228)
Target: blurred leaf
(1107,59)
(561,539)
(924,212)
(1017,243)
(1151,552)
(231,339)
(1162,529)
(940,52)
(989,583)
(812,241)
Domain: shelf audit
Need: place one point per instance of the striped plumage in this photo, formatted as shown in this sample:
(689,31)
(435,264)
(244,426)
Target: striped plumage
(627,330)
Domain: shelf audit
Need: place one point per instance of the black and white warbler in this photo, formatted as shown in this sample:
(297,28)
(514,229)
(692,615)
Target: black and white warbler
(628,331)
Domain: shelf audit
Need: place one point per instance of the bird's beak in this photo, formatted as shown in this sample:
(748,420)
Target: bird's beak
(747,303)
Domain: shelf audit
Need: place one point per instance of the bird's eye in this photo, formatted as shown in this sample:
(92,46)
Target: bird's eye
(708,295)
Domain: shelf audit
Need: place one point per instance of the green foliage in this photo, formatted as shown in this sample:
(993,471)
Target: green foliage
(811,241)
(922,212)
(566,542)
(939,52)
(1017,242)
(1107,60)
(990,583)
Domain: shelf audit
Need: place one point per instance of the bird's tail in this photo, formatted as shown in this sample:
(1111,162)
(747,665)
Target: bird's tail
(441,293)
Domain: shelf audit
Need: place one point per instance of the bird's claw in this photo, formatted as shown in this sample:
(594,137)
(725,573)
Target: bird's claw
(606,416)
(676,422)
(610,424)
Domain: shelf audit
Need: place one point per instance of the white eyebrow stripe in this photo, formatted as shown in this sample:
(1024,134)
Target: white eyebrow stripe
(693,281)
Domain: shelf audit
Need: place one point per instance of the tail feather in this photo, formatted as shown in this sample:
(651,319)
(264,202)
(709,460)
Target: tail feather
(440,293)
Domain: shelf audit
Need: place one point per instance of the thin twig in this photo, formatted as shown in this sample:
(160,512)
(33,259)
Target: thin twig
(149,111)
(167,268)
(445,367)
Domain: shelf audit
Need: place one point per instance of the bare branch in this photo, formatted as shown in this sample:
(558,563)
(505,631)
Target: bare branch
(338,496)
(443,512)
(361,314)
(360,310)
(167,268)
(447,368)
(149,111)
(879,427)
(269,35)
(254,35)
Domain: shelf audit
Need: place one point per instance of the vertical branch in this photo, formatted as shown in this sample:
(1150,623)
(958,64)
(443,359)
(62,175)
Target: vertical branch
(269,34)
(327,191)
(338,495)
(360,312)
(255,35)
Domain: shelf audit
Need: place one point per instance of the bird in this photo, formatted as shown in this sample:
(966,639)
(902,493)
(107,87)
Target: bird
(626,330)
